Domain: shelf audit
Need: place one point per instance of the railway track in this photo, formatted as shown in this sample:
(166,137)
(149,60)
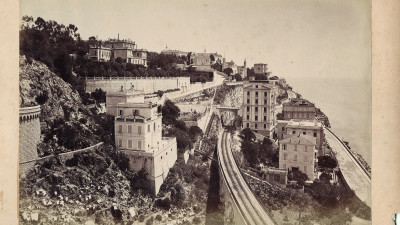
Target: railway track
(250,208)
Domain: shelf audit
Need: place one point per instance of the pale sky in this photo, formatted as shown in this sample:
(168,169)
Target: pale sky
(299,38)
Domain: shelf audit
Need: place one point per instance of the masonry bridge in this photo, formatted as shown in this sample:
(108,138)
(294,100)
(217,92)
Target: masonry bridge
(241,205)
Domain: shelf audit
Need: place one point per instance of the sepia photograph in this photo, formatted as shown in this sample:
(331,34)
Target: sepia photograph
(195,112)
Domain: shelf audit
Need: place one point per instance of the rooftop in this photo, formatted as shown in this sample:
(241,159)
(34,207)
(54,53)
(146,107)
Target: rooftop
(299,102)
(299,139)
(303,123)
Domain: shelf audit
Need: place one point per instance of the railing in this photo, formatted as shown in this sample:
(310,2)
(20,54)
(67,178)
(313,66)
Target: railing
(65,153)
(132,77)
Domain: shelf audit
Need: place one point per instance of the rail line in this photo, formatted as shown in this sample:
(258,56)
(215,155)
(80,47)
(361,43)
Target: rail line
(249,207)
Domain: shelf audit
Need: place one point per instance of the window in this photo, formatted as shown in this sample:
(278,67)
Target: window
(284,156)
(295,158)
(305,158)
(294,132)
(295,147)
(148,128)
(129,129)
(255,126)
(256,101)
(256,109)
(265,94)
(139,144)
(154,126)
(248,109)
(248,125)
(256,93)
(265,118)
(121,112)
(284,147)
(119,143)
(248,93)
(129,143)
(265,126)
(265,109)
(248,117)
(119,128)
(265,101)
(256,86)
(139,129)
(248,101)
(256,118)
(304,132)
(315,134)
(283,128)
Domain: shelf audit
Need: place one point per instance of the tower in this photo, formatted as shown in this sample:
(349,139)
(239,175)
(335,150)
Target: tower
(244,74)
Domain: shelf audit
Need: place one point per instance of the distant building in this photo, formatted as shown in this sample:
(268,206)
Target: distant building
(138,134)
(258,108)
(298,109)
(260,68)
(116,48)
(242,70)
(100,53)
(275,176)
(297,152)
(178,53)
(302,128)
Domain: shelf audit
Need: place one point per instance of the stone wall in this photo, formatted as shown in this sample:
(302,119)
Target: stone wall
(147,84)
(29,136)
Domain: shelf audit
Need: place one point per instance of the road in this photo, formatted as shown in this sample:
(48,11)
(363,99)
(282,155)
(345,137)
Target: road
(251,209)
(353,173)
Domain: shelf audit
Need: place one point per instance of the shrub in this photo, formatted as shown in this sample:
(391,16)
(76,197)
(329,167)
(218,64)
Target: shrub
(83,120)
(159,217)
(42,98)
(196,220)
(141,218)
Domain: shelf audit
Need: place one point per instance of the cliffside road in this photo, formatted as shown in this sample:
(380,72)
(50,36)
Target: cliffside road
(356,177)
(218,80)
(249,207)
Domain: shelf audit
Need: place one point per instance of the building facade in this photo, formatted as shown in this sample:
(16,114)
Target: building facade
(138,134)
(116,48)
(258,108)
(297,152)
(260,68)
(298,109)
(100,53)
(304,128)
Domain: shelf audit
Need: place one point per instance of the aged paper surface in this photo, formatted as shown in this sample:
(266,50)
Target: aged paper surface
(385,109)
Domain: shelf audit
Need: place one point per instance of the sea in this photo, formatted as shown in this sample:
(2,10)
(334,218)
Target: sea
(347,103)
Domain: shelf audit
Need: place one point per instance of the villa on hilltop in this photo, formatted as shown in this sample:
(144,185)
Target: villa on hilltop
(115,48)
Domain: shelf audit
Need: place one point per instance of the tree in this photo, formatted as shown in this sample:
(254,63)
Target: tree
(238,77)
(228,71)
(119,60)
(268,151)
(250,152)
(326,161)
(99,95)
(247,135)
(195,132)
(170,112)
(298,176)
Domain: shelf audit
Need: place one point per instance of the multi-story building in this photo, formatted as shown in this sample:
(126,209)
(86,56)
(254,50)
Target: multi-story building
(298,109)
(138,134)
(116,48)
(297,152)
(100,53)
(302,128)
(260,68)
(178,53)
(258,108)
(242,70)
